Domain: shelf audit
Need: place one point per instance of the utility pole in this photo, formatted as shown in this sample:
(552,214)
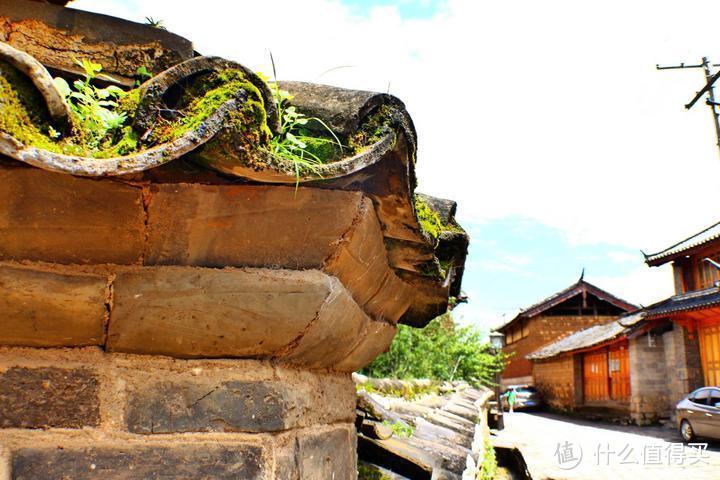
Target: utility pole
(709,89)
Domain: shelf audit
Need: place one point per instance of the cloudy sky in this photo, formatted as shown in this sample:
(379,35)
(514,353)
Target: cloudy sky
(546,121)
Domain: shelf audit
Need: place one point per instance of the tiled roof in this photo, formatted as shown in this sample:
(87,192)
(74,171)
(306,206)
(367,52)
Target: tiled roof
(685,302)
(566,294)
(589,337)
(709,234)
(447,433)
(428,261)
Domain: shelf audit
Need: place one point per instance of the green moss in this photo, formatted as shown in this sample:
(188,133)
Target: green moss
(407,392)
(401,430)
(489,465)
(24,115)
(370,472)
(207,95)
(430,221)
(428,218)
(128,104)
(372,130)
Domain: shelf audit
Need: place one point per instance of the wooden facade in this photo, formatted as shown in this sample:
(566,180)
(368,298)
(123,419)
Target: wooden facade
(575,308)
(696,305)
(606,374)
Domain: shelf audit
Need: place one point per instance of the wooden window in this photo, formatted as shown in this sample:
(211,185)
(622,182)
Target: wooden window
(706,274)
(525,328)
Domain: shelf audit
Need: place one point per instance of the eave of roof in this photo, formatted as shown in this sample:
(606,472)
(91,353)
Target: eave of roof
(684,302)
(566,294)
(684,247)
(594,336)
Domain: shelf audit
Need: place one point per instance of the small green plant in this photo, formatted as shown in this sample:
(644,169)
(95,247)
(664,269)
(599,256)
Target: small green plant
(296,142)
(489,465)
(141,75)
(399,429)
(94,108)
(155,23)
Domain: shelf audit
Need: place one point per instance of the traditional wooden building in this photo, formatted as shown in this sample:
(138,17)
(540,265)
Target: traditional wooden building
(694,310)
(641,365)
(617,369)
(580,305)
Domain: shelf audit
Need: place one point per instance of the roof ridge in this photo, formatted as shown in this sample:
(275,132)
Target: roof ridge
(661,252)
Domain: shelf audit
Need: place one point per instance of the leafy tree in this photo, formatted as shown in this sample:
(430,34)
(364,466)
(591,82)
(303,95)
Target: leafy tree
(441,351)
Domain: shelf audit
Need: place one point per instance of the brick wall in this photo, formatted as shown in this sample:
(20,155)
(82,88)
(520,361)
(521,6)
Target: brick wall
(556,379)
(83,413)
(543,330)
(649,391)
(103,281)
(682,363)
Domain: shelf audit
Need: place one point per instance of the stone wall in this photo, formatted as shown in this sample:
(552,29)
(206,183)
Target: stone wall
(682,362)
(648,380)
(83,413)
(188,330)
(557,380)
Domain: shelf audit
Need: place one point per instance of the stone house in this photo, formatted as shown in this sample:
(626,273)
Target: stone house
(193,306)
(580,305)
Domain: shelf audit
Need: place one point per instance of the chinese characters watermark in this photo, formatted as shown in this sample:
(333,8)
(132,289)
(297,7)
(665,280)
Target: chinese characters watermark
(569,455)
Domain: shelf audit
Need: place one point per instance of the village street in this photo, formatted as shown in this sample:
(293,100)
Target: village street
(558,447)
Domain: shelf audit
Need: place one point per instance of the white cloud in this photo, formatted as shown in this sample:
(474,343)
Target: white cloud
(625,257)
(642,286)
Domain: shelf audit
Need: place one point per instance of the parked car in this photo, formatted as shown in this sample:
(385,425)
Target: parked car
(527,397)
(698,414)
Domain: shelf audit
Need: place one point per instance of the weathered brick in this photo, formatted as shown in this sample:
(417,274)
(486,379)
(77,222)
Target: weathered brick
(328,455)
(361,264)
(48,397)
(64,219)
(377,339)
(46,309)
(286,458)
(242,225)
(217,462)
(233,406)
(334,334)
(203,312)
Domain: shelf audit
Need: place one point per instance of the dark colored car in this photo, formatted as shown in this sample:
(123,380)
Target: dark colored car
(526,397)
(698,414)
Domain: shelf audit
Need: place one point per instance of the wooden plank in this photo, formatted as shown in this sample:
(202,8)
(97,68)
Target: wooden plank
(595,379)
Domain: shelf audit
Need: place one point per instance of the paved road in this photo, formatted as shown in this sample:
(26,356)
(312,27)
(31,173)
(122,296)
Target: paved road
(558,447)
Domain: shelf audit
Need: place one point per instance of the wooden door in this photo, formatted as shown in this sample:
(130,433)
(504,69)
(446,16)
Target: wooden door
(709,336)
(619,368)
(595,376)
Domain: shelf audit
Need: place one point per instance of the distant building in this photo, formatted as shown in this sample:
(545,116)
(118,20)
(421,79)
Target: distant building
(694,310)
(574,308)
(614,369)
(640,365)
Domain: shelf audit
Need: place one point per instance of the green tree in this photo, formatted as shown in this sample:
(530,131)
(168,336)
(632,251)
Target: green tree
(441,351)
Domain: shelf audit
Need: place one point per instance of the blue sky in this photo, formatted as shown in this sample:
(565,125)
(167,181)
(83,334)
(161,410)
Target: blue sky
(408,9)
(563,146)
(515,262)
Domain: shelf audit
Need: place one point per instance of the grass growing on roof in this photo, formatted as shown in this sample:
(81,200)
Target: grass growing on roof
(296,142)
(102,119)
